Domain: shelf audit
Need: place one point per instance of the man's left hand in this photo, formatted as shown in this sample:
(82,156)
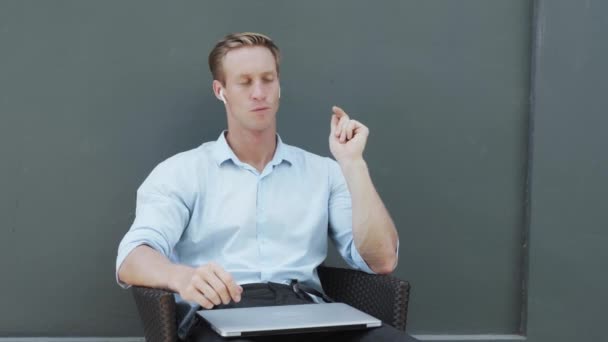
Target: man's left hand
(347,138)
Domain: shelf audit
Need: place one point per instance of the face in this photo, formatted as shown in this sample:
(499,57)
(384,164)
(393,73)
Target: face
(251,88)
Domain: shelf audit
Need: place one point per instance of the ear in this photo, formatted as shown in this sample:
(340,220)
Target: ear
(218,90)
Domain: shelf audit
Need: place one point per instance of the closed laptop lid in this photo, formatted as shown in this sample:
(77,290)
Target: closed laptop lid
(286,319)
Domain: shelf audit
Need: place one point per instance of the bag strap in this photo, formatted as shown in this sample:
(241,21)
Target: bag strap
(298,287)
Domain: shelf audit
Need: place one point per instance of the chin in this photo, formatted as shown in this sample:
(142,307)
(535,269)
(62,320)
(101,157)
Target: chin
(260,126)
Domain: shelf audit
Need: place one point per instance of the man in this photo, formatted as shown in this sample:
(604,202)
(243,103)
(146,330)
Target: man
(248,212)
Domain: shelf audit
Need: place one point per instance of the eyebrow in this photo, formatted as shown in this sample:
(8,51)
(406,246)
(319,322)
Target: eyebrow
(265,73)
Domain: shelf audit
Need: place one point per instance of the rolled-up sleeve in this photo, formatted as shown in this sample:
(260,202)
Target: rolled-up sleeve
(162,213)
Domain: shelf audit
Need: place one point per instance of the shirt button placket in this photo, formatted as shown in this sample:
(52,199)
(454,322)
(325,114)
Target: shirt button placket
(260,224)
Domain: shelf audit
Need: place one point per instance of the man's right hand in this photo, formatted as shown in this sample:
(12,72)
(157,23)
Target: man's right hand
(208,285)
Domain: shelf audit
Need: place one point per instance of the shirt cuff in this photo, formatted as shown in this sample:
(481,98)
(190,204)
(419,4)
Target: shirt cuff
(123,252)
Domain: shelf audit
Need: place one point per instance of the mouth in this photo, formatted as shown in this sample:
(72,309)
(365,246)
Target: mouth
(259,109)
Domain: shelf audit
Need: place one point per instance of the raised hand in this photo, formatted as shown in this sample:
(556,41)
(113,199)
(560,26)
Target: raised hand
(347,138)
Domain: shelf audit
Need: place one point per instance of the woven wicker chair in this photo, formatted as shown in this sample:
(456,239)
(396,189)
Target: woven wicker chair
(384,297)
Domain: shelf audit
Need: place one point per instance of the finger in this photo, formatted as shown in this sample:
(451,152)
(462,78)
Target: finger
(341,115)
(199,287)
(203,287)
(350,129)
(339,112)
(343,135)
(202,300)
(361,128)
(342,127)
(233,288)
(219,287)
(210,293)
(334,123)
(339,126)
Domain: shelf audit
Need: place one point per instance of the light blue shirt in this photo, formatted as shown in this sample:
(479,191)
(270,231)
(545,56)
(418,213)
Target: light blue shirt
(206,205)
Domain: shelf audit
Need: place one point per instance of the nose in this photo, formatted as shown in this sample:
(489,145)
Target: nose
(258,92)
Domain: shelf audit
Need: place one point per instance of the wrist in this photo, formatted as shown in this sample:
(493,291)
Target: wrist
(179,277)
(348,165)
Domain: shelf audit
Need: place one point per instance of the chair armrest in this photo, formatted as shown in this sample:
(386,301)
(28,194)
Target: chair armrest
(157,312)
(382,296)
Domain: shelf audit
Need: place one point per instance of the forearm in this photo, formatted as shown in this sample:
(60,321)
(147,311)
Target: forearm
(145,266)
(374,232)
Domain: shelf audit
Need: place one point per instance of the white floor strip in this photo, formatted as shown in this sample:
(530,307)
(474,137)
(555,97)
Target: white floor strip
(487,337)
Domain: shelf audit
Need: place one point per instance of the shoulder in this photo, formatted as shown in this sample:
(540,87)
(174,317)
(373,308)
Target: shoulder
(183,166)
(314,164)
(191,156)
(303,158)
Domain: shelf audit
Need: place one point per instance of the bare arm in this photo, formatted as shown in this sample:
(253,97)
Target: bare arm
(207,285)
(145,266)
(373,229)
(374,232)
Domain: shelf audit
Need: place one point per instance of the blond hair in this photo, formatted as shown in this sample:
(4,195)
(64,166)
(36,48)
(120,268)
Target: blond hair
(235,41)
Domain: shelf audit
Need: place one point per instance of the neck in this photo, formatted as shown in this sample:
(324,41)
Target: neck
(253,148)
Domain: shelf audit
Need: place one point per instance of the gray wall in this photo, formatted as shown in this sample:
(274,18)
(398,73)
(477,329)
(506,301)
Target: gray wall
(569,183)
(94,94)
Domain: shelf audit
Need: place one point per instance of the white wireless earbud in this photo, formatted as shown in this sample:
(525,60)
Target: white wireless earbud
(279,92)
(222,96)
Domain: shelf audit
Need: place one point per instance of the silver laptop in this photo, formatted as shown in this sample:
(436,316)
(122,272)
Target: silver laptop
(287,319)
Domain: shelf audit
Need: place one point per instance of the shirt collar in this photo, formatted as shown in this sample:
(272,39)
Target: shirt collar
(222,152)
